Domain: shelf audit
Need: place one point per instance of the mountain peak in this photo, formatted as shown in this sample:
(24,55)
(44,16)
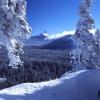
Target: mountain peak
(44,34)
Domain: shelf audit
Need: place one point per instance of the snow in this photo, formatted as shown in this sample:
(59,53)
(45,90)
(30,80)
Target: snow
(80,85)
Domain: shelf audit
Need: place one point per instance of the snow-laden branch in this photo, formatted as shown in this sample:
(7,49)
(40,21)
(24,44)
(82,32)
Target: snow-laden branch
(86,21)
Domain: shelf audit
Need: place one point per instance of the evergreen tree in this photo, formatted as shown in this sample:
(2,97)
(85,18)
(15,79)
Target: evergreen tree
(83,37)
(13,28)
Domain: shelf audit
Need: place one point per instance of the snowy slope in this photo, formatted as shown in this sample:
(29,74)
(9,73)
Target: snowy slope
(81,85)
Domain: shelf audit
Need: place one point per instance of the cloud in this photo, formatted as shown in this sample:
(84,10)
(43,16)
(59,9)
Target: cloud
(58,35)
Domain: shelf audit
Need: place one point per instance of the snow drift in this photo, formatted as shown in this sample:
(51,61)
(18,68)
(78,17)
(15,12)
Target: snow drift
(81,85)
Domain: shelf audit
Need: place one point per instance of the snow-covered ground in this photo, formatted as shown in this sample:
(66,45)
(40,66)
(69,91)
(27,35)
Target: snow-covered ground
(81,85)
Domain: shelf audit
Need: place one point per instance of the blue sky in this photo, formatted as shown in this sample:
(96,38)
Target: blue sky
(55,16)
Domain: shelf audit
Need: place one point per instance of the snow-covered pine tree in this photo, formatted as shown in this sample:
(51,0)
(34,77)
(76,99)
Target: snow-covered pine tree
(13,28)
(96,55)
(83,37)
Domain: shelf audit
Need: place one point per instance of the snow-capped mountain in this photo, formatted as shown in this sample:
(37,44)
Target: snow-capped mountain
(42,36)
(43,41)
(38,40)
(62,43)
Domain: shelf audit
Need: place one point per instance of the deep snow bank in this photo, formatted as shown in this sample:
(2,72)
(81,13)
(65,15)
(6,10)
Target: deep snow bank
(81,85)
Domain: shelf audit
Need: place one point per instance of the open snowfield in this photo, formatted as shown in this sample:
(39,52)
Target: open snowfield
(81,85)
